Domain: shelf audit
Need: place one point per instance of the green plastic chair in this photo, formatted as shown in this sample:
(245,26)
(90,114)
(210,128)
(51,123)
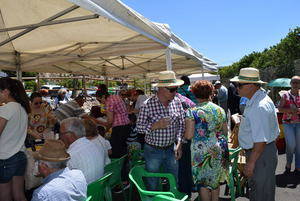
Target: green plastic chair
(100,190)
(115,168)
(89,198)
(167,198)
(234,178)
(136,176)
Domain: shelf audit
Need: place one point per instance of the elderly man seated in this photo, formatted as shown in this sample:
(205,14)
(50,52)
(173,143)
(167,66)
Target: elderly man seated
(85,155)
(60,183)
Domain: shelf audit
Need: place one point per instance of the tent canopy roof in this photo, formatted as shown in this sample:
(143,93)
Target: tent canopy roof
(99,37)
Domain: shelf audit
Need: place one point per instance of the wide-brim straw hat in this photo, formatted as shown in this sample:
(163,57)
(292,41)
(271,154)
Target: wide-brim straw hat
(168,79)
(248,75)
(52,150)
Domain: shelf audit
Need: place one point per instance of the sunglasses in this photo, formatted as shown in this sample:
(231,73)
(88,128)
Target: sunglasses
(239,85)
(37,103)
(172,90)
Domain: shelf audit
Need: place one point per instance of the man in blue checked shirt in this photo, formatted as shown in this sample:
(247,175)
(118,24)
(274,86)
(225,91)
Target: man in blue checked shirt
(161,119)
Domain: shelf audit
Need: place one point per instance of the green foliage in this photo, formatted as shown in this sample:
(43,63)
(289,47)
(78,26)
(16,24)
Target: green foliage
(30,85)
(281,57)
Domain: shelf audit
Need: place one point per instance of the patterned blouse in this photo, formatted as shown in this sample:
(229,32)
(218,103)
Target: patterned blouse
(41,123)
(291,101)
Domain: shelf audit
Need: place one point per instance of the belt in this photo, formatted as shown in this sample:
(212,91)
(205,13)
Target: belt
(266,145)
(162,148)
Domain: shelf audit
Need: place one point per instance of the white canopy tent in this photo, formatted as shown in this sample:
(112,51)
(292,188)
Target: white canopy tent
(204,76)
(98,37)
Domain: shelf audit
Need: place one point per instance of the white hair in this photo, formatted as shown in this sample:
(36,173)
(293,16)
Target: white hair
(74,125)
(56,164)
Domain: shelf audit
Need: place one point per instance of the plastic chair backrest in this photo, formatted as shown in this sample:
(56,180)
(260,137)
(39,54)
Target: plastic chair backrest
(167,198)
(100,189)
(137,175)
(234,157)
(115,167)
(89,198)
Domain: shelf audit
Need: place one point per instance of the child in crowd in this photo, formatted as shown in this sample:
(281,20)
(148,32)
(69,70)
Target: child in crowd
(132,141)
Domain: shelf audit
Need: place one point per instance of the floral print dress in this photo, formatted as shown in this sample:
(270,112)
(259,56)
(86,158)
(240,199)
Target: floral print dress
(209,148)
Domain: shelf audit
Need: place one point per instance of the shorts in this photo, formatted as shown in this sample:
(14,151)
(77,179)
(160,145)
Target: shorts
(13,166)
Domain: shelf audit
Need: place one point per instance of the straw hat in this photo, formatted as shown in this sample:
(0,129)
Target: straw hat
(248,75)
(53,150)
(168,79)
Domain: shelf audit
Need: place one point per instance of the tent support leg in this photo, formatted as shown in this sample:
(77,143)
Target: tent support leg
(18,66)
(168,59)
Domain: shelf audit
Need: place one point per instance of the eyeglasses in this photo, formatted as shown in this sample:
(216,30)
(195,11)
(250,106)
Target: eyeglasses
(37,103)
(239,85)
(295,82)
(172,90)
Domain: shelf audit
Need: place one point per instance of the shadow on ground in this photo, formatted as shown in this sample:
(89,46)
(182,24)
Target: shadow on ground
(287,181)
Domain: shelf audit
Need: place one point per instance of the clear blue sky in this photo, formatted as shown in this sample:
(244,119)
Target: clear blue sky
(224,30)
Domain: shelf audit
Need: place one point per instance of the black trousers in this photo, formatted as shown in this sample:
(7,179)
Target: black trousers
(118,144)
(118,140)
(185,180)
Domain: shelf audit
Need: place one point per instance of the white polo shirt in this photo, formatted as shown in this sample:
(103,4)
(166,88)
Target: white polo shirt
(259,122)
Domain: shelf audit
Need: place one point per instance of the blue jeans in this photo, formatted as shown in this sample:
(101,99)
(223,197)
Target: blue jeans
(155,158)
(292,140)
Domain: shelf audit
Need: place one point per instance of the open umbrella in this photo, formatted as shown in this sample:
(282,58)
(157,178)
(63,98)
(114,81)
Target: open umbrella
(280,82)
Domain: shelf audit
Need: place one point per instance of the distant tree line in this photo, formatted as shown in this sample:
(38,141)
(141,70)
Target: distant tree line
(279,58)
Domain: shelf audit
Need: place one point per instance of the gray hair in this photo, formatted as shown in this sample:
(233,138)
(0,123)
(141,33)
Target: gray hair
(74,125)
(55,165)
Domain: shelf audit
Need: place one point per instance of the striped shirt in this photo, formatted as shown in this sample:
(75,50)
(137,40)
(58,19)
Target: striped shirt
(65,184)
(116,105)
(154,110)
(69,109)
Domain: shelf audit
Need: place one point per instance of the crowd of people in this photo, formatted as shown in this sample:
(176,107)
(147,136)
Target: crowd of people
(182,129)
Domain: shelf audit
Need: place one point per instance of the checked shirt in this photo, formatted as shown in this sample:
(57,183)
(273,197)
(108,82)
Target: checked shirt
(153,111)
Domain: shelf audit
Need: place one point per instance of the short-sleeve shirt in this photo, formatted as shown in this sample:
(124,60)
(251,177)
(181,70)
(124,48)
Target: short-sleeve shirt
(65,184)
(290,102)
(103,144)
(259,122)
(116,105)
(69,109)
(14,133)
(153,111)
(88,158)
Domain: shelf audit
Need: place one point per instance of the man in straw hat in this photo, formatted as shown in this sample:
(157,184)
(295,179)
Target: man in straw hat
(257,134)
(161,119)
(60,183)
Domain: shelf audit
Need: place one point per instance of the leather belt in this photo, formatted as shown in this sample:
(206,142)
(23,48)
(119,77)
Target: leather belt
(162,148)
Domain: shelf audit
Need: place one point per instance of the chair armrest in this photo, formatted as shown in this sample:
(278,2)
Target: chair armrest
(153,193)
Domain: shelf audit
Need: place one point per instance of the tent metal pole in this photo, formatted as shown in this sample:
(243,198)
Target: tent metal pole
(168,59)
(136,64)
(46,20)
(38,81)
(74,19)
(84,85)
(18,66)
